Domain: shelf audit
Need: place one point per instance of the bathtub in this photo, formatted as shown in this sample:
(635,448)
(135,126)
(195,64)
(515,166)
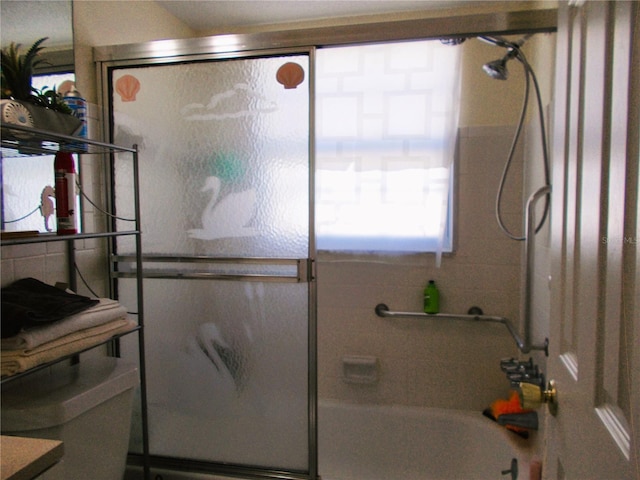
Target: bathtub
(369,442)
(358,442)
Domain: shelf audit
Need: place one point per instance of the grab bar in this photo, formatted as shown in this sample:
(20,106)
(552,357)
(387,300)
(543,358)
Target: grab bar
(383,311)
(529,246)
(524,344)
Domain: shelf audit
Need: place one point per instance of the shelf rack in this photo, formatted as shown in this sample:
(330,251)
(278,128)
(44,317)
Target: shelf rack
(21,141)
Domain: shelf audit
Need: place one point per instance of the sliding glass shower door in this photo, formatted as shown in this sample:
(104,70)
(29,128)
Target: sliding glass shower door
(225,207)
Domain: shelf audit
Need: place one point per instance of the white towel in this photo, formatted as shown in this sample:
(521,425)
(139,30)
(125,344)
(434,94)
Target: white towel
(105,311)
(16,361)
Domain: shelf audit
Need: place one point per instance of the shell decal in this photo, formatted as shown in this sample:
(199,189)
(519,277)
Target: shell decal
(290,75)
(127,87)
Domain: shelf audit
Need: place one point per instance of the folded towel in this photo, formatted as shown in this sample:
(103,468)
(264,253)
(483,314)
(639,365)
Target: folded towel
(105,311)
(16,361)
(29,302)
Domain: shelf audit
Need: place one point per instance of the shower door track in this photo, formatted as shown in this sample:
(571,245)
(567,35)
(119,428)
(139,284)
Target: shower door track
(183,466)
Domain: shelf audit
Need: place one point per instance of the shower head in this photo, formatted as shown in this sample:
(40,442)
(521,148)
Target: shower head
(497,69)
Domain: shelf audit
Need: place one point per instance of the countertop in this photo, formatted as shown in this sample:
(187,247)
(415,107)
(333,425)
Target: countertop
(24,458)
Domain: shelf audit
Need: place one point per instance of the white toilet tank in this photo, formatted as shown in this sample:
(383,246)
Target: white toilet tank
(87,406)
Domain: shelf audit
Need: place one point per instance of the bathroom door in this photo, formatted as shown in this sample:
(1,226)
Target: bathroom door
(595,312)
(225,209)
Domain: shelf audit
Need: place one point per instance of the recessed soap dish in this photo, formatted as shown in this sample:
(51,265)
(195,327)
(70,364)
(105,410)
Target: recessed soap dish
(361,369)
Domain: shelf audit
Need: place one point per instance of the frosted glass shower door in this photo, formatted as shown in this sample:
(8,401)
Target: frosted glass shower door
(224,182)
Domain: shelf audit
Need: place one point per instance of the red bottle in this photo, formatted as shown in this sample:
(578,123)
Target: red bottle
(65,174)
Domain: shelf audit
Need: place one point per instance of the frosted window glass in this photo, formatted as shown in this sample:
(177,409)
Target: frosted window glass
(386,127)
(407,115)
(224,172)
(223,158)
(339,120)
(227,378)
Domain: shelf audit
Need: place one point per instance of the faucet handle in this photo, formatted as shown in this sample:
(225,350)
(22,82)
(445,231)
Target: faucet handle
(508,365)
(529,377)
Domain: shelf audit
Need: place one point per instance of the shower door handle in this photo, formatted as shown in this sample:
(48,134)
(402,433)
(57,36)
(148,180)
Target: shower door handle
(251,269)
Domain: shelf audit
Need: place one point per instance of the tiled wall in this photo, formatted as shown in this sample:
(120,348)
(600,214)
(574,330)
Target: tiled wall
(48,262)
(44,261)
(433,362)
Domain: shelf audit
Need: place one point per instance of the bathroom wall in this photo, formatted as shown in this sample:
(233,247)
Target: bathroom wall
(116,22)
(434,363)
(448,363)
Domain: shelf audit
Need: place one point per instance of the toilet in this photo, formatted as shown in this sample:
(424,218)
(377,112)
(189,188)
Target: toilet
(88,406)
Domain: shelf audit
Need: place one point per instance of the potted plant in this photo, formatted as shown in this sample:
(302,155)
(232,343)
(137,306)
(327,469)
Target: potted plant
(22,104)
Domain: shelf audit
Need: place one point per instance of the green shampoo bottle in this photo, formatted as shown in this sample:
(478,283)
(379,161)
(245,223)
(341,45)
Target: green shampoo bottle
(431,298)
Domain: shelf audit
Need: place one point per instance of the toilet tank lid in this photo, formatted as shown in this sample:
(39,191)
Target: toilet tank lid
(51,398)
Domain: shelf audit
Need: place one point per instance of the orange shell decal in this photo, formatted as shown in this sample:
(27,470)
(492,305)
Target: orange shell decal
(290,75)
(127,86)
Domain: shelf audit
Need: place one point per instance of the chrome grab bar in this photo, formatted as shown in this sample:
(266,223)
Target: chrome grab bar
(529,246)
(383,311)
(524,344)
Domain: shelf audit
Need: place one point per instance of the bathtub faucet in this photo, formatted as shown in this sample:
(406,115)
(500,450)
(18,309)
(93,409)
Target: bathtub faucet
(522,371)
(530,383)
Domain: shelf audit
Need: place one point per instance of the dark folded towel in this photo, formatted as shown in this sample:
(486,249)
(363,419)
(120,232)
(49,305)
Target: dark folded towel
(30,302)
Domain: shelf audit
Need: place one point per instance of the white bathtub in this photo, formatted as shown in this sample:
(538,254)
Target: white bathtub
(366,442)
(358,442)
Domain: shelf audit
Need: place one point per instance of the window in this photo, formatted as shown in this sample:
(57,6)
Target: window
(385,134)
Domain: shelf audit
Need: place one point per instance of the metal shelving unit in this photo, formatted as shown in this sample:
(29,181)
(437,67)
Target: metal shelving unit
(17,140)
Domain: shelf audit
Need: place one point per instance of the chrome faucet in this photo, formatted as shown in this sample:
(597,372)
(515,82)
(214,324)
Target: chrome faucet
(529,381)
(522,371)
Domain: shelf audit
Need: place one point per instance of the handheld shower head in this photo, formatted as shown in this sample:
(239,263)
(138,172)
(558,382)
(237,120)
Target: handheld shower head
(497,69)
